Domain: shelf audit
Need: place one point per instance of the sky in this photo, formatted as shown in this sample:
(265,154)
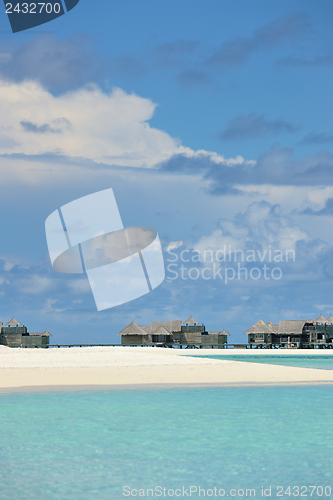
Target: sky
(212,123)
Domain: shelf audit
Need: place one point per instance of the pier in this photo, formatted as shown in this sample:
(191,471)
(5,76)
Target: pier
(213,346)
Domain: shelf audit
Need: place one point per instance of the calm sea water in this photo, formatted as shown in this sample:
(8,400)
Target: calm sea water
(89,445)
(321,362)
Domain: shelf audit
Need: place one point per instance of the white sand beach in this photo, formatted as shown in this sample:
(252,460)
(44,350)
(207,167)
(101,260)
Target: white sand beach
(37,369)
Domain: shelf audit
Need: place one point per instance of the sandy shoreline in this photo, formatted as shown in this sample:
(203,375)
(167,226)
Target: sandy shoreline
(120,367)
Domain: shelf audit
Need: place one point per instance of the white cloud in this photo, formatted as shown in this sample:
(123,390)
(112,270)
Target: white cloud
(111,128)
(49,307)
(322,307)
(261,224)
(79,286)
(173,245)
(262,234)
(214,157)
(319,196)
(34,285)
(10,261)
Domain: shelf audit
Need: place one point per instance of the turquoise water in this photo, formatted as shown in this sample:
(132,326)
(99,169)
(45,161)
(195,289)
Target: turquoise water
(90,444)
(321,362)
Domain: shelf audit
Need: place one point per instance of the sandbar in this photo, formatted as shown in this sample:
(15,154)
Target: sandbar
(121,367)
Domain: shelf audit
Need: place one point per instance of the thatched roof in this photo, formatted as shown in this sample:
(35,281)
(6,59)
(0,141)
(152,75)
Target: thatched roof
(42,334)
(132,329)
(154,328)
(161,331)
(172,326)
(329,319)
(292,326)
(13,322)
(259,327)
(190,321)
(321,319)
(273,326)
(224,332)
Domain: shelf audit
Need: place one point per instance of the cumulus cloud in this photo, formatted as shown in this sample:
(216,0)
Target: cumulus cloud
(326,210)
(261,226)
(261,240)
(262,234)
(111,128)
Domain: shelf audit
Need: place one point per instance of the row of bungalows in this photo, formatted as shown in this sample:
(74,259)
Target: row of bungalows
(14,334)
(173,333)
(292,333)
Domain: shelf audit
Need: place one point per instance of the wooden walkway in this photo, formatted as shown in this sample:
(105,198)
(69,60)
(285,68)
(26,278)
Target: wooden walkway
(213,346)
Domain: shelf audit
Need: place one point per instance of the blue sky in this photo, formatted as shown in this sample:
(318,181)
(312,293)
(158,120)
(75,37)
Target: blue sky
(211,121)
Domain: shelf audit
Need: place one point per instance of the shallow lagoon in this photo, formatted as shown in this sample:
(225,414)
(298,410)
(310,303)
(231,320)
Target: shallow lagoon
(320,361)
(90,444)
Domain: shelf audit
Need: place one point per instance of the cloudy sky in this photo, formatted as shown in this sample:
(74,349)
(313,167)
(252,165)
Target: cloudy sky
(213,123)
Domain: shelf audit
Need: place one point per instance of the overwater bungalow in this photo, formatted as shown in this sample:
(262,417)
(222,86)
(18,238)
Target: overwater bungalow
(173,333)
(14,334)
(296,333)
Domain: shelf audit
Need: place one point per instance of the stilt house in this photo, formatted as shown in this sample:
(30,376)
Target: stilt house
(14,334)
(173,333)
(294,333)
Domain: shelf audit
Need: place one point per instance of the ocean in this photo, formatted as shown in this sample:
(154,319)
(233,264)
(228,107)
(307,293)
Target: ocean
(319,361)
(238,442)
